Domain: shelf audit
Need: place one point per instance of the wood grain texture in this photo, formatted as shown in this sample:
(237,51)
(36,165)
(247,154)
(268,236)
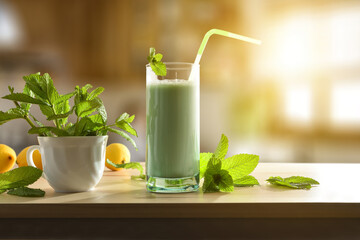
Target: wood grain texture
(117,196)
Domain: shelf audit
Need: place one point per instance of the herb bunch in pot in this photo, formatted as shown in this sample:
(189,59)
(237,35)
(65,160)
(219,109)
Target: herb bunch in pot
(73,153)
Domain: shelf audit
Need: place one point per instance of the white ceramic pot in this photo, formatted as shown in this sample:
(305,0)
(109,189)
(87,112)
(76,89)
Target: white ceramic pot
(71,164)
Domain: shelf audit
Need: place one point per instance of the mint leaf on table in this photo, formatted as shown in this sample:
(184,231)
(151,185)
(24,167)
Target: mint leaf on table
(223,174)
(26,192)
(240,165)
(19,177)
(156,65)
(217,179)
(130,165)
(296,182)
(247,181)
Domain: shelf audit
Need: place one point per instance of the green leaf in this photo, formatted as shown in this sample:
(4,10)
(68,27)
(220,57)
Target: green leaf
(296,182)
(6,116)
(46,110)
(64,98)
(85,108)
(26,192)
(240,165)
(211,175)
(19,177)
(159,68)
(26,106)
(222,147)
(95,93)
(84,127)
(44,130)
(59,116)
(124,135)
(21,97)
(226,182)
(127,127)
(247,181)
(51,91)
(158,57)
(156,65)
(33,83)
(130,165)
(204,160)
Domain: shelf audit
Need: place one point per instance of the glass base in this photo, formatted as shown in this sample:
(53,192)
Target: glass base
(172,185)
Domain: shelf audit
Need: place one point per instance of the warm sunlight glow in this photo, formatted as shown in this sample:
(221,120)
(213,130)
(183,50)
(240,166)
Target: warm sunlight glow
(298,103)
(346,103)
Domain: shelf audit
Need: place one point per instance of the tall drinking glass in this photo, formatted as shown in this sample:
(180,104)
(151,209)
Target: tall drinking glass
(172,129)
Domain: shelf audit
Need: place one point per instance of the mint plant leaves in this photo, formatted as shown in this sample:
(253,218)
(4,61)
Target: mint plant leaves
(15,182)
(156,65)
(222,174)
(130,165)
(88,108)
(296,182)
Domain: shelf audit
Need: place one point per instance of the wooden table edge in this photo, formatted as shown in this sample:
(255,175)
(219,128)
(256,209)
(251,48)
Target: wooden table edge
(181,210)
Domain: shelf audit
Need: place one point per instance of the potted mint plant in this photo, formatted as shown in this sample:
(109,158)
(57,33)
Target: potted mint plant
(73,153)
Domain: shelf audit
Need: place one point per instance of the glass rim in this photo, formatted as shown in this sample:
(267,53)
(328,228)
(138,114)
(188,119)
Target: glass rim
(185,66)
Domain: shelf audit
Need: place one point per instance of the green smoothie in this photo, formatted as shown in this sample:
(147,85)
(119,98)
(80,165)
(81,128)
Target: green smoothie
(172,131)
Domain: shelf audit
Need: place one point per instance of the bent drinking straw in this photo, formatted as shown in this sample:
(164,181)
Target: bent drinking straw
(222,33)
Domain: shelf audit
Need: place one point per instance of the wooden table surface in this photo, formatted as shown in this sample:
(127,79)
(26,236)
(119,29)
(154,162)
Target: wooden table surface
(117,196)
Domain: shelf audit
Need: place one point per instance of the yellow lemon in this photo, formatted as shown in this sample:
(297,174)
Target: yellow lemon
(7,158)
(21,158)
(117,153)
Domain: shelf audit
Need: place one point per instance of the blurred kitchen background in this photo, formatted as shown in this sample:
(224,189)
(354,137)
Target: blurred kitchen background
(295,98)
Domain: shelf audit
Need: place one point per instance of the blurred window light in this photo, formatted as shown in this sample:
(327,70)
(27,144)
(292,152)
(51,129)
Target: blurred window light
(345,37)
(9,26)
(295,45)
(346,103)
(298,100)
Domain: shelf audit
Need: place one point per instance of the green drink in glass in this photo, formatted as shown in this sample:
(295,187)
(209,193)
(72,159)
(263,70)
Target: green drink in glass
(172,129)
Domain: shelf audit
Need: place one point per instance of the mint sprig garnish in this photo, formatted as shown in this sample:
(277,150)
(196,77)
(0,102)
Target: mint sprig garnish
(15,182)
(156,64)
(222,174)
(88,108)
(296,182)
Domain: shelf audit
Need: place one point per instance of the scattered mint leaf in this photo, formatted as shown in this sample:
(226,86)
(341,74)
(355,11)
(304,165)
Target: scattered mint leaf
(26,192)
(223,174)
(217,179)
(19,177)
(222,147)
(130,165)
(225,182)
(296,182)
(240,165)
(247,181)
(156,65)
